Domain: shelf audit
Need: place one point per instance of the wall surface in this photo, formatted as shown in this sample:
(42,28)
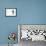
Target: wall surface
(28,12)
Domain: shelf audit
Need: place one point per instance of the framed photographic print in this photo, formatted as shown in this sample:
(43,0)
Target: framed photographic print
(10,11)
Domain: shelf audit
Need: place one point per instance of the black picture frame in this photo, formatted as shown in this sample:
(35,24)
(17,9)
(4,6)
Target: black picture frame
(11,8)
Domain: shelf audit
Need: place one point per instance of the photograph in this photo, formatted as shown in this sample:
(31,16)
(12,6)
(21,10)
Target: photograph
(10,11)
